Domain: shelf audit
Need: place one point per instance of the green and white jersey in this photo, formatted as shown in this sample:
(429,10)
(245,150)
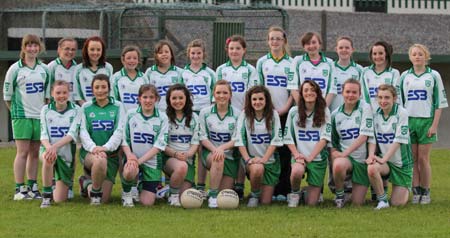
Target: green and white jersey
(258,140)
(339,75)
(55,125)
(163,81)
(143,133)
(126,89)
(304,69)
(218,130)
(306,138)
(66,73)
(182,137)
(371,80)
(83,80)
(392,129)
(26,88)
(200,84)
(241,79)
(422,94)
(274,75)
(101,126)
(346,128)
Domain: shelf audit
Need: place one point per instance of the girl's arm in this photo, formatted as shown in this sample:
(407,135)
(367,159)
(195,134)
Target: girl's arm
(148,155)
(317,148)
(245,155)
(435,125)
(355,145)
(388,155)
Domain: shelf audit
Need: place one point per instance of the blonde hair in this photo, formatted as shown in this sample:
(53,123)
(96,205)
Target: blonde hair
(197,43)
(422,48)
(31,39)
(286,47)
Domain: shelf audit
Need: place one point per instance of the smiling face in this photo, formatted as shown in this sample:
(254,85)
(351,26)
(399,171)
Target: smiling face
(32,50)
(164,56)
(94,51)
(60,94)
(344,49)
(386,99)
(351,93)
(235,51)
(309,93)
(147,100)
(67,50)
(196,56)
(222,95)
(100,89)
(417,57)
(177,100)
(379,56)
(130,60)
(276,41)
(312,47)
(258,102)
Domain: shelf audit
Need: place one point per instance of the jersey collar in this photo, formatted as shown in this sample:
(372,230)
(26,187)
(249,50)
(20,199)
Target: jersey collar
(72,63)
(270,56)
(22,64)
(52,106)
(352,64)
(243,63)
(188,67)
(342,108)
(393,111)
(111,101)
(387,69)
(124,73)
(322,57)
(155,113)
(427,70)
(171,68)
(229,112)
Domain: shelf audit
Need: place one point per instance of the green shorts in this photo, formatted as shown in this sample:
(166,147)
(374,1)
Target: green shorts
(150,174)
(272,173)
(230,168)
(26,129)
(63,170)
(359,173)
(418,130)
(190,176)
(400,176)
(315,171)
(112,165)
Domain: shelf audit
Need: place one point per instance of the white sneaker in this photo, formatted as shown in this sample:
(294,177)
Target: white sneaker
(174,200)
(46,202)
(293,199)
(253,202)
(135,194)
(70,194)
(212,202)
(382,205)
(340,202)
(127,199)
(96,201)
(416,199)
(22,193)
(162,192)
(320,198)
(426,199)
(34,192)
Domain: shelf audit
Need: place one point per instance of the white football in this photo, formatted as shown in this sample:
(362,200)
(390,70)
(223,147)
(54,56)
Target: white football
(191,198)
(227,199)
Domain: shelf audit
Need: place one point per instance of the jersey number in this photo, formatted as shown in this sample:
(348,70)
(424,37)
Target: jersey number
(89,92)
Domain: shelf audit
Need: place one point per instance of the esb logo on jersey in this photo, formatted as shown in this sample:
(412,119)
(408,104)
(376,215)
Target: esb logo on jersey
(385,138)
(130,98)
(31,88)
(349,134)
(143,138)
(162,90)
(102,125)
(89,92)
(58,131)
(260,138)
(320,81)
(373,91)
(180,138)
(237,87)
(219,137)
(416,95)
(308,135)
(198,89)
(276,81)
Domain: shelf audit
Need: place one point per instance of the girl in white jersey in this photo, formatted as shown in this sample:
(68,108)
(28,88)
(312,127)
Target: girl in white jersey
(352,125)
(183,142)
(94,62)
(274,71)
(313,65)
(257,135)
(60,122)
(128,80)
(145,136)
(423,96)
(308,130)
(379,72)
(163,73)
(24,93)
(217,125)
(394,158)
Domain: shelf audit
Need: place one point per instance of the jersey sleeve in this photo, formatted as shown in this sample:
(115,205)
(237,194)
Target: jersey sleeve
(277,131)
(365,87)
(253,76)
(439,94)
(162,136)
(335,138)
(126,140)
(239,136)
(9,84)
(116,138)
(51,73)
(366,128)
(44,133)
(195,124)
(294,81)
(76,84)
(202,121)
(402,129)
(47,84)
(259,70)
(74,129)
(86,140)
(289,130)
(325,130)
(115,87)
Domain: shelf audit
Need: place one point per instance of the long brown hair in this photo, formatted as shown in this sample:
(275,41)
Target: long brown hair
(187,109)
(85,55)
(319,106)
(250,113)
(30,39)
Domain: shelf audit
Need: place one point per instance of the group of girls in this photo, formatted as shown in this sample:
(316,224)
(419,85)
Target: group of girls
(271,123)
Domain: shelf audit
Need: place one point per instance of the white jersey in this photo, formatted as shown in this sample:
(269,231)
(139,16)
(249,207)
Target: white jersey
(218,130)
(26,88)
(200,84)
(55,125)
(126,89)
(58,71)
(143,133)
(371,80)
(274,75)
(339,75)
(241,79)
(182,137)
(304,69)
(306,138)
(394,129)
(258,140)
(83,80)
(163,81)
(346,128)
(422,94)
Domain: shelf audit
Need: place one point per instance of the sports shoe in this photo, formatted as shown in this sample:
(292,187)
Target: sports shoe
(281,198)
(320,198)
(135,194)
(382,205)
(426,199)
(96,198)
(340,202)
(204,194)
(240,193)
(212,202)
(83,191)
(174,200)
(46,202)
(293,199)
(70,194)
(34,193)
(253,202)
(162,192)
(416,199)
(127,200)
(22,193)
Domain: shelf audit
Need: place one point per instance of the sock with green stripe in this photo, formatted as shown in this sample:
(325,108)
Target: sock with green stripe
(173,190)
(256,193)
(213,192)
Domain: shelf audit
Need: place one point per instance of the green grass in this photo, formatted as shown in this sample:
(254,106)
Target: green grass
(78,219)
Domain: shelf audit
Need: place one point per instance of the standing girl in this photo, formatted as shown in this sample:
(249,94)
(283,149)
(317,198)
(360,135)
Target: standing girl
(423,96)
(394,158)
(183,142)
(257,136)
(217,125)
(308,130)
(94,62)
(60,122)
(24,93)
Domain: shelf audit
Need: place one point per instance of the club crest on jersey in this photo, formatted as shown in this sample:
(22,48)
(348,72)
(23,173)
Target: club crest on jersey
(354,76)
(404,130)
(230,126)
(91,115)
(244,75)
(71,119)
(174,79)
(369,122)
(166,137)
(328,128)
(280,132)
(156,128)
(325,72)
(358,120)
(387,81)
(266,69)
(427,83)
(6,86)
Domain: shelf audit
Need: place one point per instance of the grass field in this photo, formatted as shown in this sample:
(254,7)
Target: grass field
(78,219)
